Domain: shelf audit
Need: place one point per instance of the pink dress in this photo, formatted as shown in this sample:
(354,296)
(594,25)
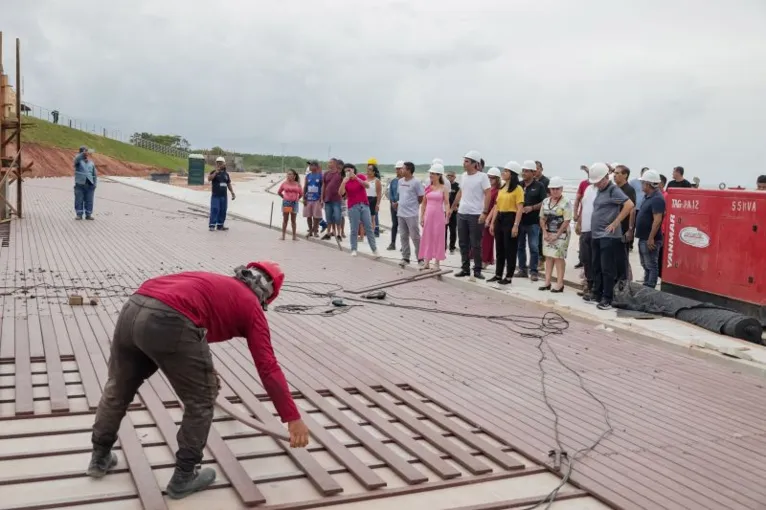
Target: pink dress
(432,241)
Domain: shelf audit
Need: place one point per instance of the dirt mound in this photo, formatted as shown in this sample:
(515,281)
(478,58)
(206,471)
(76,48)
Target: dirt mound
(55,162)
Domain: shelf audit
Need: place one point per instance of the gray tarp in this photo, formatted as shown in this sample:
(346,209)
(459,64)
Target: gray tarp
(633,296)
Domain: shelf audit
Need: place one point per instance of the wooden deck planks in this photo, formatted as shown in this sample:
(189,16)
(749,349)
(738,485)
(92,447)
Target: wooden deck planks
(23,366)
(56,384)
(479,368)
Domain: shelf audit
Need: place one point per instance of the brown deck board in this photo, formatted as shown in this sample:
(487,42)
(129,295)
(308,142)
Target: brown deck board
(56,383)
(24,402)
(688,430)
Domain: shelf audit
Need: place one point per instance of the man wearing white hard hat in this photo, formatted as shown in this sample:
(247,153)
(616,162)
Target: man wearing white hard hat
(529,233)
(392,193)
(610,207)
(472,209)
(649,227)
(582,228)
(219,202)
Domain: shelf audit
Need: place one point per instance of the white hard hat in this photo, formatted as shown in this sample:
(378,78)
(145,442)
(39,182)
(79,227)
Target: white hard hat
(529,165)
(493,172)
(597,172)
(220,159)
(400,164)
(473,155)
(651,176)
(513,167)
(436,168)
(556,182)
(437,161)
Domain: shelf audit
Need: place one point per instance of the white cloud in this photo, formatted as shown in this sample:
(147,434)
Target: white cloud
(643,82)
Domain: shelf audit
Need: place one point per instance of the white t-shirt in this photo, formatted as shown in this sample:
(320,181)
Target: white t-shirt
(371,190)
(472,197)
(587,207)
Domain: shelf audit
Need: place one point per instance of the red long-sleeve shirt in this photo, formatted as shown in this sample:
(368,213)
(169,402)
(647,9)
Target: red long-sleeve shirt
(227,309)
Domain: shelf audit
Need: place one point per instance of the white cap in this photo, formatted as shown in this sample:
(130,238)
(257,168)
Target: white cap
(436,168)
(556,182)
(597,172)
(513,167)
(437,161)
(529,165)
(220,159)
(473,155)
(399,164)
(651,176)
(493,172)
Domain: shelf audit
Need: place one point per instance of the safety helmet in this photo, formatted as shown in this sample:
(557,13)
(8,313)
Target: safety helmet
(494,172)
(651,176)
(473,156)
(513,167)
(274,272)
(220,159)
(597,172)
(556,182)
(399,164)
(436,168)
(372,161)
(529,165)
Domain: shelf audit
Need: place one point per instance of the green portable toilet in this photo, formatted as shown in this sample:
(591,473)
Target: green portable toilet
(196,170)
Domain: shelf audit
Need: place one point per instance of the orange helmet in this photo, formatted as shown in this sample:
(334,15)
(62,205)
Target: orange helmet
(274,272)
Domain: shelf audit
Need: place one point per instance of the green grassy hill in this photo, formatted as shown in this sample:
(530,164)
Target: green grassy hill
(46,133)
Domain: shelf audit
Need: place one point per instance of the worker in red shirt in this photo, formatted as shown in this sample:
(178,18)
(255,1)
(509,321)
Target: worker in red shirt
(168,324)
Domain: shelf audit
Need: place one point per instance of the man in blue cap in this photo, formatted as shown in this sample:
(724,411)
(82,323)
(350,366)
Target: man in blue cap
(84,184)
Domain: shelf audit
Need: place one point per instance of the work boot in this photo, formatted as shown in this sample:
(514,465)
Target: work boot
(101,461)
(186,483)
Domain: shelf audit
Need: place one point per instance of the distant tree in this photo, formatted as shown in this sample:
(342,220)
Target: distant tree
(174,141)
(217,151)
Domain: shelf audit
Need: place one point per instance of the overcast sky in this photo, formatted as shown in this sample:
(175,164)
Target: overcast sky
(643,82)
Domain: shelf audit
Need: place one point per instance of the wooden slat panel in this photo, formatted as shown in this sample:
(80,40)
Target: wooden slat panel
(56,383)
(84,364)
(24,403)
(234,376)
(522,502)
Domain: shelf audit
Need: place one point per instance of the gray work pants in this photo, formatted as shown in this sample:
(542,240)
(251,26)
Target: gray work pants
(150,335)
(409,228)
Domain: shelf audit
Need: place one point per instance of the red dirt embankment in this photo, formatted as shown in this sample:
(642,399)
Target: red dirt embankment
(55,162)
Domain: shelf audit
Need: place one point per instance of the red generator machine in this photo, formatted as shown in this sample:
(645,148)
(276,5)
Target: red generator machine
(715,248)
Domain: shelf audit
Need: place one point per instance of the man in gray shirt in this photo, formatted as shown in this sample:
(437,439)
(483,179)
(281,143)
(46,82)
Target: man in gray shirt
(610,208)
(411,193)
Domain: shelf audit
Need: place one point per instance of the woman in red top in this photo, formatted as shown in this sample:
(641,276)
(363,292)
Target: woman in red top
(354,188)
(291,192)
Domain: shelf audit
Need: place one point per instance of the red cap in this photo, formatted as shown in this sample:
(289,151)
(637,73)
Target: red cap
(275,273)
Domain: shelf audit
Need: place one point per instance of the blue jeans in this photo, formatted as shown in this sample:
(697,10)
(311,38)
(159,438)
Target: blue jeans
(529,234)
(218,207)
(83,198)
(357,213)
(650,261)
(332,213)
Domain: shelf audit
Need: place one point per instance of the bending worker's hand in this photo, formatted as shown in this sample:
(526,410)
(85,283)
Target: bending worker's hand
(299,434)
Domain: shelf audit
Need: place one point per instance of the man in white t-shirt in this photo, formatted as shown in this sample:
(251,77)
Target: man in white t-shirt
(582,228)
(472,208)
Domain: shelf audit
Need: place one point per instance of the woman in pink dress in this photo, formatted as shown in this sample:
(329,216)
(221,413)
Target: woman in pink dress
(433,218)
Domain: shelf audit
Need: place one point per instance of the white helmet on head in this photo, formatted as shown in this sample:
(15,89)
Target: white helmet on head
(556,182)
(651,176)
(494,172)
(513,167)
(597,172)
(529,165)
(399,164)
(220,159)
(436,168)
(473,155)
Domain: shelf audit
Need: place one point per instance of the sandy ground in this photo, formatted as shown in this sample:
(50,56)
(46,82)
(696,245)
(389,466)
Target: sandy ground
(55,162)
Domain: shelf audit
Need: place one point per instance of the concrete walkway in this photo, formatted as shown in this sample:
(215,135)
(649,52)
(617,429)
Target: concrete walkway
(255,203)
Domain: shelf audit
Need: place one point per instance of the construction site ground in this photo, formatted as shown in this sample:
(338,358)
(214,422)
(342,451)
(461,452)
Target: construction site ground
(408,409)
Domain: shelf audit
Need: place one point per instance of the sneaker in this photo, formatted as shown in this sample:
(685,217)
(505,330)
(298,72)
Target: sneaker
(494,279)
(452,251)
(462,274)
(101,461)
(590,298)
(353,253)
(78,217)
(391,247)
(403,262)
(478,276)
(504,281)
(421,263)
(521,273)
(90,218)
(212,229)
(223,229)
(534,277)
(604,305)
(578,265)
(375,254)
(184,483)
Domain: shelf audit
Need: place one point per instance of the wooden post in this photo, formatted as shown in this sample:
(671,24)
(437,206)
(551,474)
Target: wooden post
(18,127)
